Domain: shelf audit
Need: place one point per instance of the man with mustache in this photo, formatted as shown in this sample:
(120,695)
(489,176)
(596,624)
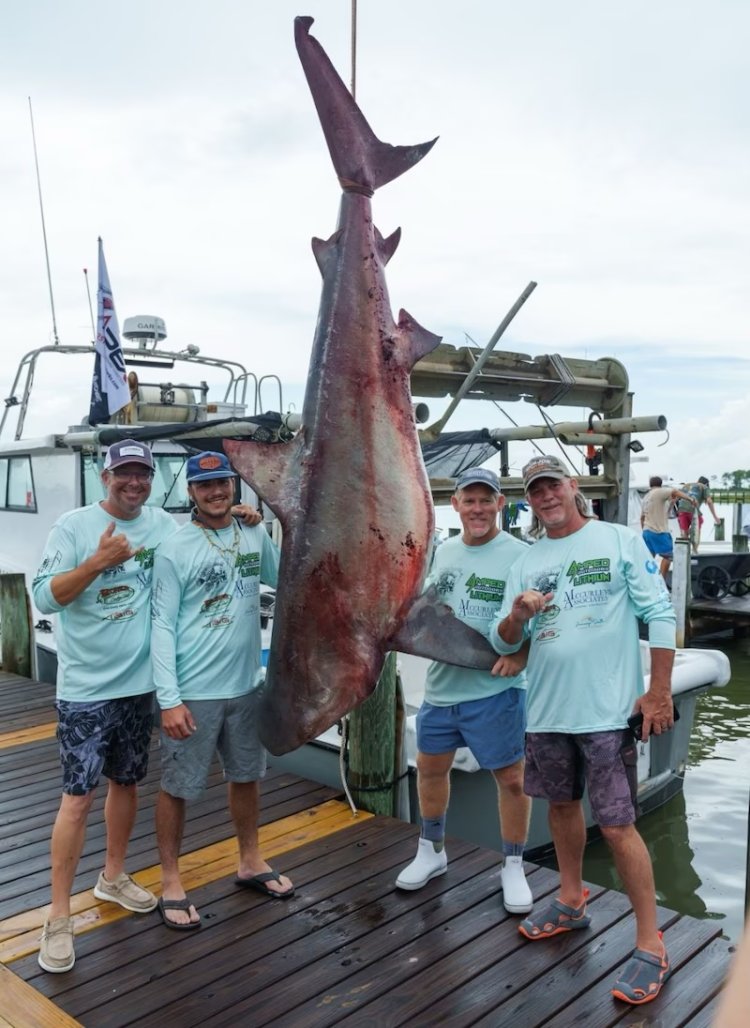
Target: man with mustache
(576,596)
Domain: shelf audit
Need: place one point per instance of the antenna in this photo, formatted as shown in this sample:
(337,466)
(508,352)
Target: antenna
(91,309)
(44,229)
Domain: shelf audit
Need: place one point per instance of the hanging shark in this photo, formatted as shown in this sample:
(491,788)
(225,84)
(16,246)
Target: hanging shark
(351,490)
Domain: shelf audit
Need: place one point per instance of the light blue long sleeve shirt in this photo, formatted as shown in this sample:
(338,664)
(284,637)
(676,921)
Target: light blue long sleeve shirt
(472,581)
(103,642)
(205,638)
(584,669)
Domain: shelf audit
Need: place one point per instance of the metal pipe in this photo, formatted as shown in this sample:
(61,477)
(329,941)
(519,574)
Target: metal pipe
(204,429)
(613,427)
(585,439)
(617,426)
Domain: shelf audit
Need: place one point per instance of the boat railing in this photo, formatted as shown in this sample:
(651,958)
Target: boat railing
(259,407)
(234,403)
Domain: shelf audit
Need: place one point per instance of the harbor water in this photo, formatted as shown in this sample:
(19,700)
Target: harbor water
(698,840)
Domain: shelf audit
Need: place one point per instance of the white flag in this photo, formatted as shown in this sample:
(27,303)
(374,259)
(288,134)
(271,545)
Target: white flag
(109,389)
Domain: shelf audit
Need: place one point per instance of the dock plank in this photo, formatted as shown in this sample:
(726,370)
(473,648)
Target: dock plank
(349,949)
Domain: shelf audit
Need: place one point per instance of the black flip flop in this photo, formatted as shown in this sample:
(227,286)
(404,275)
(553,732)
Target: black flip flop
(258,882)
(184,904)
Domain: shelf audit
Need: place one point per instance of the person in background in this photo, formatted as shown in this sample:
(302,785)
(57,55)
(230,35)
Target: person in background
(464,707)
(576,596)
(206,653)
(656,534)
(698,493)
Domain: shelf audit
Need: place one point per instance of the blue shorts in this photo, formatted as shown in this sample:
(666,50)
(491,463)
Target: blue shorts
(492,728)
(110,738)
(659,544)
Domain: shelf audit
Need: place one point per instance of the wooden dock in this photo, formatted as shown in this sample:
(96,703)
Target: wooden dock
(728,612)
(347,949)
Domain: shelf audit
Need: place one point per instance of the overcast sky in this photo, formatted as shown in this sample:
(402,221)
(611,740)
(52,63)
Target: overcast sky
(598,148)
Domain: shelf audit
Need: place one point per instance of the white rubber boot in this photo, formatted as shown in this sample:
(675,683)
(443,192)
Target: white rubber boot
(427,864)
(517,898)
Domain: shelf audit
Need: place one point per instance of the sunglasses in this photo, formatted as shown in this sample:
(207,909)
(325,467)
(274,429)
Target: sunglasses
(139,476)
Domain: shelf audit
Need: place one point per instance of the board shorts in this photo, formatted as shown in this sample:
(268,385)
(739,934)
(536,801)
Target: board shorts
(660,544)
(227,727)
(685,520)
(106,737)
(559,765)
(493,728)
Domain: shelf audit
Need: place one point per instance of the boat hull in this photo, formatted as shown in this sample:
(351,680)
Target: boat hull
(472,815)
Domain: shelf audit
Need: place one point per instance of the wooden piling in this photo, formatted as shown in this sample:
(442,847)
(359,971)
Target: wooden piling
(373,752)
(681,592)
(15,625)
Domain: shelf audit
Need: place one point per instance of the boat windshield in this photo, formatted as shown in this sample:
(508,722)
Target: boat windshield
(169,489)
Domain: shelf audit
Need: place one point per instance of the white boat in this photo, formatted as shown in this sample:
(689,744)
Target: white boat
(53,473)
(472,814)
(50,474)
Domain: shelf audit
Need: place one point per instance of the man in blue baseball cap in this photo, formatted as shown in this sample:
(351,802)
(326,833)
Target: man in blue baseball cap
(206,653)
(471,708)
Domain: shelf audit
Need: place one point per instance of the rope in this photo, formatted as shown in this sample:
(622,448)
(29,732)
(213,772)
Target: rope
(342,763)
(381,788)
(354,49)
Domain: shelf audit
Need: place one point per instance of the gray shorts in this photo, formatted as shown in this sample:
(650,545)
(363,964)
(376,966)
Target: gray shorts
(558,766)
(228,727)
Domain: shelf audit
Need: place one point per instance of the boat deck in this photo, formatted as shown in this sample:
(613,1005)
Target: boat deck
(347,949)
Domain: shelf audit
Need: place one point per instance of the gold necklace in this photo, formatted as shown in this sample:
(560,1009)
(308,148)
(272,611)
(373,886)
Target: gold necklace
(228,554)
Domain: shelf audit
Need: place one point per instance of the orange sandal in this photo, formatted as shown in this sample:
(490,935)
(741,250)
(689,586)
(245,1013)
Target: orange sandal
(549,921)
(642,977)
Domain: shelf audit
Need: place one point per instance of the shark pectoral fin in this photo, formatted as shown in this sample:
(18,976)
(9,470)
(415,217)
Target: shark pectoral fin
(419,340)
(270,468)
(431,629)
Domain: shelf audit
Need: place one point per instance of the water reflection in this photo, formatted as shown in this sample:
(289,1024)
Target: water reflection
(667,838)
(722,714)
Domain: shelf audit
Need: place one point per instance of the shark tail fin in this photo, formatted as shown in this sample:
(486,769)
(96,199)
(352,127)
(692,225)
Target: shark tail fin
(361,160)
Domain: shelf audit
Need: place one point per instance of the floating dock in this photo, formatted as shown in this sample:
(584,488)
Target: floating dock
(348,949)
(716,615)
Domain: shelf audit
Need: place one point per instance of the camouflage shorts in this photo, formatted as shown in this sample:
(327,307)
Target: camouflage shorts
(558,766)
(109,737)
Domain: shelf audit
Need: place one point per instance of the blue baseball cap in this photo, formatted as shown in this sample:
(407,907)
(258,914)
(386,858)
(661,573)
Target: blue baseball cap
(204,466)
(478,476)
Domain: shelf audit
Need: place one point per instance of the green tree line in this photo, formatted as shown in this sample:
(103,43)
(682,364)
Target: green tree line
(736,479)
